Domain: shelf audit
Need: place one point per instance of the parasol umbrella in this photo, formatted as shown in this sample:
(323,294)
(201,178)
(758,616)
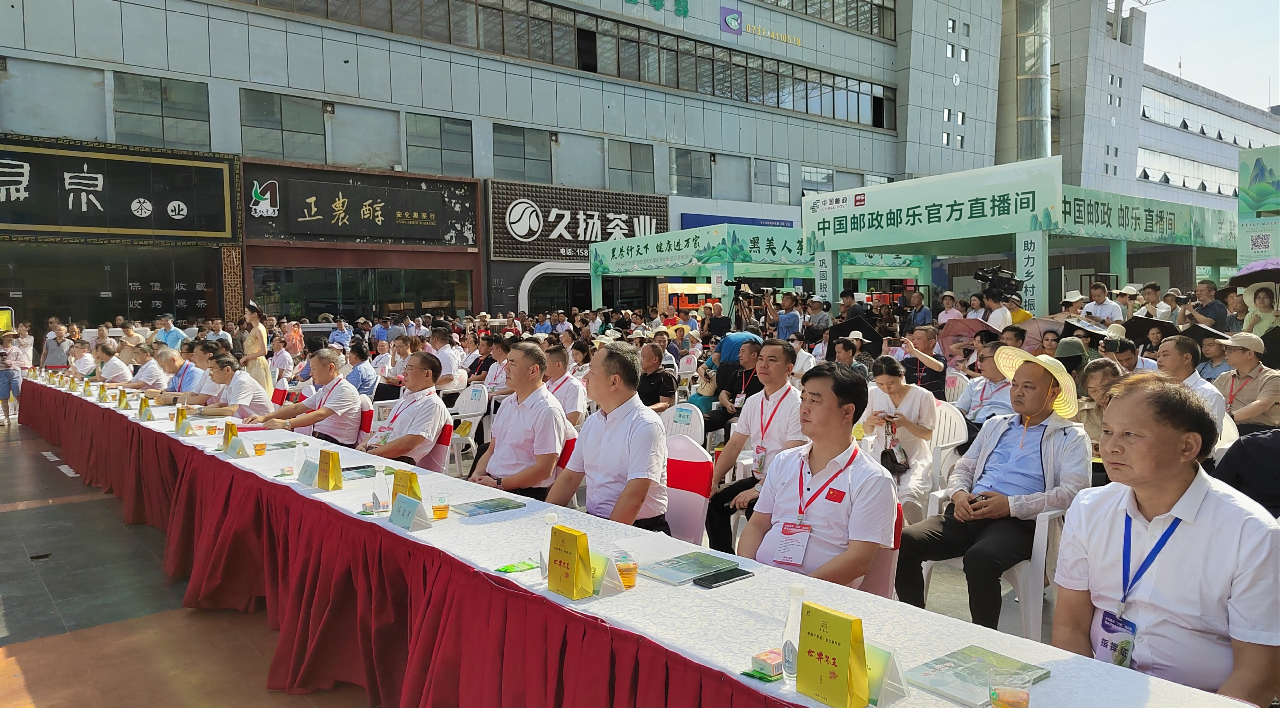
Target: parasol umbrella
(1256,272)
(960,330)
(1198,333)
(1138,328)
(1073,324)
(850,325)
(1037,326)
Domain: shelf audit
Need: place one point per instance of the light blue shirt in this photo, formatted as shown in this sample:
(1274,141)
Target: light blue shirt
(363,378)
(341,336)
(788,324)
(172,338)
(730,345)
(1013,468)
(1209,372)
(983,398)
(379,333)
(185,380)
(542,328)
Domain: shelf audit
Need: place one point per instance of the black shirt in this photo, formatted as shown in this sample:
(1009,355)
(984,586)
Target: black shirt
(934,382)
(480,365)
(739,382)
(1245,467)
(718,326)
(656,386)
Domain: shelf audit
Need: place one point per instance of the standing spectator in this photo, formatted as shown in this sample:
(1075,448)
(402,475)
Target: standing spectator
(918,315)
(280,359)
(56,351)
(1101,307)
(101,337)
(949,311)
(1124,298)
(976,310)
(11,365)
(717,324)
(26,342)
(216,331)
(129,342)
(1017,315)
(998,315)
(1206,310)
(1153,305)
(170,336)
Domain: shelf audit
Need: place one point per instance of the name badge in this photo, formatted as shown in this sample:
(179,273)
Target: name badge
(1116,643)
(381,437)
(795,538)
(739,399)
(759,460)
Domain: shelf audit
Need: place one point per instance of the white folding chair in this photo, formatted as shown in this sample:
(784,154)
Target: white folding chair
(469,409)
(684,419)
(949,432)
(685,376)
(1230,434)
(1027,577)
(382,410)
(689,473)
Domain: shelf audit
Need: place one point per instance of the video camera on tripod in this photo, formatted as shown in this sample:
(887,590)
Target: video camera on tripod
(997,278)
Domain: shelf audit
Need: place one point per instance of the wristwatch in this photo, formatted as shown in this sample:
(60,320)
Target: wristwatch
(288,424)
(498,481)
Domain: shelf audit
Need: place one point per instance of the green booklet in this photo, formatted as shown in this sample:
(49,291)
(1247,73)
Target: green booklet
(962,675)
(686,568)
(487,506)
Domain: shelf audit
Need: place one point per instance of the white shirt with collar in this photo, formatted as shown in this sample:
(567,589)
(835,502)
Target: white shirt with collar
(613,449)
(522,430)
(1000,318)
(207,386)
(1108,309)
(152,375)
(497,377)
(343,399)
(85,364)
(116,371)
(1145,364)
(1185,621)
(1212,397)
(246,395)
(771,423)
(421,413)
(571,394)
(860,504)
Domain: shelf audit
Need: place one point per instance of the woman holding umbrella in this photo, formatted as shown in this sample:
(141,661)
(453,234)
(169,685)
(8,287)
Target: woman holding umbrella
(1262,317)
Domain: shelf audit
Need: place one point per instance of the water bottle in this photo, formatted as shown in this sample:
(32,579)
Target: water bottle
(791,635)
(549,520)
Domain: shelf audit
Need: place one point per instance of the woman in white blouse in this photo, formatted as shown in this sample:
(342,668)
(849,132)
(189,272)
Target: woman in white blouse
(581,352)
(905,413)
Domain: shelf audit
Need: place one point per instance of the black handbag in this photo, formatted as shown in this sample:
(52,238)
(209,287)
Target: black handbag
(889,456)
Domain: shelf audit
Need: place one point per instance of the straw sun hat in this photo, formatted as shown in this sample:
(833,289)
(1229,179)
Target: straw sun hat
(1008,359)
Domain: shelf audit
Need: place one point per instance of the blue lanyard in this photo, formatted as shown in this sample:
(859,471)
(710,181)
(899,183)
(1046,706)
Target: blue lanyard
(1146,562)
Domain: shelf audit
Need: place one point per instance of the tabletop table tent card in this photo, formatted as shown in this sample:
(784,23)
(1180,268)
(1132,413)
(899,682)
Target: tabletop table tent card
(410,514)
(236,448)
(145,413)
(570,571)
(832,663)
(605,578)
(102,394)
(229,431)
(329,477)
(406,482)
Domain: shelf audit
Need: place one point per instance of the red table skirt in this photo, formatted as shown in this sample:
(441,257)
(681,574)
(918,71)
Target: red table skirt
(355,603)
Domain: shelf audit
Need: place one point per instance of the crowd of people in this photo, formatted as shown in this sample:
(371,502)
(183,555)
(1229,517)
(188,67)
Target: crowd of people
(1110,420)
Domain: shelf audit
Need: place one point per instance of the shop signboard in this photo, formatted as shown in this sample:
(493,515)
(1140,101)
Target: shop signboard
(536,222)
(319,204)
(1005,199)
(71,190)
(1259,205)
(1120,217)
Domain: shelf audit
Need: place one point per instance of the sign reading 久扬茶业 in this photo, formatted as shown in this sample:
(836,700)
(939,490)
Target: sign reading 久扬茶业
(534,222)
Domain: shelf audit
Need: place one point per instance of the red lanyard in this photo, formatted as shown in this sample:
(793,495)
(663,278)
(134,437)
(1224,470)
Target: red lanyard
(563,381)
(746,376)
(336,381)
(804,506)
(399,410)
(983,396)
(764,427)
(1231,397)
(182,373)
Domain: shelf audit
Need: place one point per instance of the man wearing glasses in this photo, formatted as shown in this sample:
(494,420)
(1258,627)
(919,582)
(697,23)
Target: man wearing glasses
(1251,389)
(985,396)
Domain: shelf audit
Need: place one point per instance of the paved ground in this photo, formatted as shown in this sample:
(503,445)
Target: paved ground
(88,619)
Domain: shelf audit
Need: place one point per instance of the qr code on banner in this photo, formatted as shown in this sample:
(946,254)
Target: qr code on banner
(1260,242)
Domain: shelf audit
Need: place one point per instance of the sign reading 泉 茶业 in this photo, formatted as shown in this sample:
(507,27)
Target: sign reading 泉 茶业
(1005,199)
(1120,217)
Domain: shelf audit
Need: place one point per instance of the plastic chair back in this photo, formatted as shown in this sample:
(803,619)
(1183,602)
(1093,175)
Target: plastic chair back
(684,419)
(472,402)
(366,414)
(881,576)
(689,474)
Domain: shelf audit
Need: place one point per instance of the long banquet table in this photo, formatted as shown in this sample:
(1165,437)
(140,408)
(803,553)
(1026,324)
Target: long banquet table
(421,619)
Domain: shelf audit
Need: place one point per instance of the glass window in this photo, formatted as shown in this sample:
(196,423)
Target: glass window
(438,146)
(281,127)
(158,112)
(946,138)
(630,167)
(964,30)
(690,173)
(435,20)
(951,50)
(521,154)
(946,115)
(771,182)
(307,292)
(817,179)
(951,26)
(462,23)
(959,117)
(964,54)
(1183,172)
(959,142)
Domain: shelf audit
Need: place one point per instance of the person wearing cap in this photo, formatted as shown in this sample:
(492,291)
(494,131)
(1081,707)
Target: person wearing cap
(1073,302)
(1101,307)
(1168,571)
(1178,357)
(949,311)
(1124,298)
(1019,465)
(1017,315)
(1251,389)
(842,494)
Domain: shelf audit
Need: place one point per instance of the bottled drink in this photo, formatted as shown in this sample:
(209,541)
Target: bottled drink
(791,635)
(549,520)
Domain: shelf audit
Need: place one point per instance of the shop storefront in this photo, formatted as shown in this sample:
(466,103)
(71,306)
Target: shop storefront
(90,232)
(540,241)
(360,242)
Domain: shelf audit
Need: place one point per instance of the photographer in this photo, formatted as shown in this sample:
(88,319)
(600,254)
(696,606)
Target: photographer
(786,322)
(1206,311)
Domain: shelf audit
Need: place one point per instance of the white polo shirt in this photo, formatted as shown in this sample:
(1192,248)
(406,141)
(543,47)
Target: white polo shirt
(497,376)
(343,399)
(629,443)
(571,394)
(1212,397)
(207,386)
(1108,309)
(85,364)
(246,395)
(283,362)
(448,365)
(1000,318)
(1214,581)
(152,375)
(522,430)
(421,413)
(860,504)
(771,422)
(116,371)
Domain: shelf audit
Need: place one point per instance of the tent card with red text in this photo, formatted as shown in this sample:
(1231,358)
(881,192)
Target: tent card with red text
(570,568)
(832,662)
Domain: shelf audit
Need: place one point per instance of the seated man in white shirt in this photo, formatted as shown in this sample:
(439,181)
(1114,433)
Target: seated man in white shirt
(622,450)
(242,396)
(1019,465)
(412,432)
(768,424)
(826,507)
(529,431)
(189,380)
(333,411)
(452,377)
(111,370)
(496,379)
(1125,353)
(568,390)
(83,364)
(150,376)
(1169,571)
(1178,357)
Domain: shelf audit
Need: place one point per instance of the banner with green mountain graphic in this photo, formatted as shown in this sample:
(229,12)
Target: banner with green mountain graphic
(1259,205)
